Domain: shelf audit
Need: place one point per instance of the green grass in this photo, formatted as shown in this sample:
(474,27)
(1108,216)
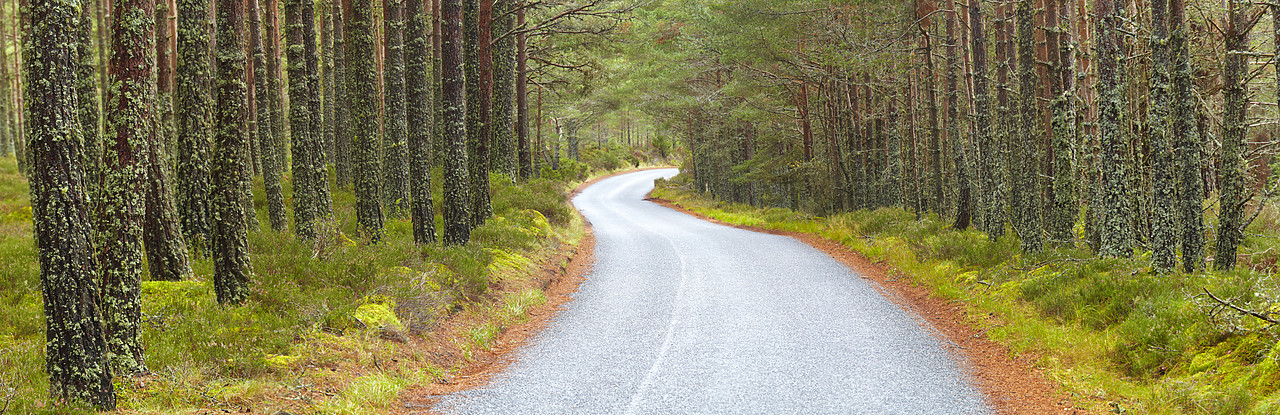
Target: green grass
(310,337)
(1115,335)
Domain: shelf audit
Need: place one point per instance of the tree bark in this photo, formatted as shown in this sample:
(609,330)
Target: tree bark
(457,228)
(231,270)
(75,349)
(195,129)
(365,145)
(395,155)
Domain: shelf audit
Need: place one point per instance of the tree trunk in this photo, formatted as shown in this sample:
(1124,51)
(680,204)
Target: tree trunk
(75,350)
(477,33)
(195,130)
(319,180)
(365,145)
(305,196)
(395,161)
(126,155)
(964,203)
(522,98)
(342,117)
(1025,206)
(504,89)
(1115,214)
(1187,145)
(88,108)
(1235,129)
(420,122)
(231,270)
(1163,234)
(457,229)
(270,162)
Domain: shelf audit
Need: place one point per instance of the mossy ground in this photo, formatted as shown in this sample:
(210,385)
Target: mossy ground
(334,326)
(1113,334)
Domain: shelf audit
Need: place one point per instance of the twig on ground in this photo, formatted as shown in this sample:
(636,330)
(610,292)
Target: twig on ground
(1261,316)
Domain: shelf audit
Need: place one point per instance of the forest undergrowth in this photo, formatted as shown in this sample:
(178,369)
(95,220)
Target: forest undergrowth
(1116,336)
(340,326)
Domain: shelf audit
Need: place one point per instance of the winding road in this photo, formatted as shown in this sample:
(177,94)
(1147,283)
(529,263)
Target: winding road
(680,316)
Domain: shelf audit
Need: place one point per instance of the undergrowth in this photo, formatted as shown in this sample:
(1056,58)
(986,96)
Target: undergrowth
(1116,336)
(327,324)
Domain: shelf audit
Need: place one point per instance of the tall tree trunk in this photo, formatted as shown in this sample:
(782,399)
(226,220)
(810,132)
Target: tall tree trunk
(231,270)
(365,146)
(341,121)
(1115,214)
(328,129)
(522,97)
(477,32)
(1024,168)
(323,201)
(1235,129)
(305,196)
(457,228)
(7,130)
(419,114)
(935,200)
(504,89)
(1187,145)
(1163,233)
(1065,206)
(75,350)
(395,157)
(964,203)
(988,151)
(195,129)
(88,108)
(126,155)
(271,170)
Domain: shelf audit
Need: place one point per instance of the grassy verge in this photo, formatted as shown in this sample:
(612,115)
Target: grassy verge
(332,327)
(1114,335)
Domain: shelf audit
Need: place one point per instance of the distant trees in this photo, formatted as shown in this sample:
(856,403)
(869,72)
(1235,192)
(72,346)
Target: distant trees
(1074,122)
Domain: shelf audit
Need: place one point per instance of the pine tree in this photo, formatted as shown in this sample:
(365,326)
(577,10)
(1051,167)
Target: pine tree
(988,152)
(395,157)
(1186,144)
(305,196)
(75,350)
(1062,215)
(195,128)
(457,228)
(271,169)
(1114,212)
(365,145)
(88,100)
(1025,197)
(231,270)
(476,30)
(326,63)
(503,159)
(1235,129)
(125,156)
(1163,232)
(420,122)
(522,97)
(167,257)
(341,121)
(318,160)
(964,204)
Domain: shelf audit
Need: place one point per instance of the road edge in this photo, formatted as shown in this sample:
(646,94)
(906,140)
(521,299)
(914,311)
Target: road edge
(561,276)
(1012,383)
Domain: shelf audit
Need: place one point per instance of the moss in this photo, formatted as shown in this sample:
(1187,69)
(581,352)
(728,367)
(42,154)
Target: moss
(280,362)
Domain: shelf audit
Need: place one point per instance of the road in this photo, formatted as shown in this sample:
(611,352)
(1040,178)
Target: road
(680,316)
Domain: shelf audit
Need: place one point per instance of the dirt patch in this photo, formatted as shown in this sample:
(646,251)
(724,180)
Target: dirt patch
(1011,383)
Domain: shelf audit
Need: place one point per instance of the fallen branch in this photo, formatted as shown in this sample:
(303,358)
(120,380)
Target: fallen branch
(1261,316)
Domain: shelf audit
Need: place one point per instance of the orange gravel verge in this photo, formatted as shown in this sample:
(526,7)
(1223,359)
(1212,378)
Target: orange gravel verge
(1012,384)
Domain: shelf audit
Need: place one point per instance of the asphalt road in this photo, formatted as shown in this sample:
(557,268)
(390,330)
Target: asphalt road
(683,316)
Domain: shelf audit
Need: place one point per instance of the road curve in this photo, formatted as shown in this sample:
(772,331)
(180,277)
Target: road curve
(680,315)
